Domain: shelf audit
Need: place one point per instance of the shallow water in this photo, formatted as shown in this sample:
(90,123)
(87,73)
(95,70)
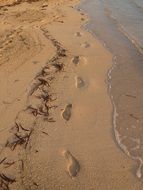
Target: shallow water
(119,25)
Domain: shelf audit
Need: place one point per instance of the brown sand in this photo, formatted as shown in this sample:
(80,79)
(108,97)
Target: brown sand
(55,113)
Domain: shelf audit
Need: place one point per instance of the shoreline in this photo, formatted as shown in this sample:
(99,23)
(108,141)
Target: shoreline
(76,132)
(124,79)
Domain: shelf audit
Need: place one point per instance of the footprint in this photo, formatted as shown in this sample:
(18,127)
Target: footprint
(73,166)
(35,62)
(79,60)
(76,60)
(79,82)
(85,45)
(78,34)
(67,112)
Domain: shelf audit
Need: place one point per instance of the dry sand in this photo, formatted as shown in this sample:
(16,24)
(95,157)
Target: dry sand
(55,112)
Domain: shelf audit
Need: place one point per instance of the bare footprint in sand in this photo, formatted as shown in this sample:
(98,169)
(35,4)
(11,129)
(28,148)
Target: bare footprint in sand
(79,82)
(79,60)
(85,45)
(67,112)
(76,60)
(73,166)
(78,34)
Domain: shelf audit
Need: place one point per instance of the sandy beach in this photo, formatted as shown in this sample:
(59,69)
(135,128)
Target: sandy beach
(55,110)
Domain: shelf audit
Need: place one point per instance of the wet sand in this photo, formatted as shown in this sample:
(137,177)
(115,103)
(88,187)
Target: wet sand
(55,113)
(125,77)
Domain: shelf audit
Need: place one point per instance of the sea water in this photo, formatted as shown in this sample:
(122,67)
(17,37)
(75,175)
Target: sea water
(118,24)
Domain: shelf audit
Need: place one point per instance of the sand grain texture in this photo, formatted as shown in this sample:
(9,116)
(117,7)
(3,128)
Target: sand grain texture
(44,111)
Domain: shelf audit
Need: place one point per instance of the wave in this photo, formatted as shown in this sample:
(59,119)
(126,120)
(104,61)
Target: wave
(138,4)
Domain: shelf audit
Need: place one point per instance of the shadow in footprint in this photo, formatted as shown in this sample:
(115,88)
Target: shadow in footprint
(78,34)
(73,166)
(67,112)
(76,60)
(79,82)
